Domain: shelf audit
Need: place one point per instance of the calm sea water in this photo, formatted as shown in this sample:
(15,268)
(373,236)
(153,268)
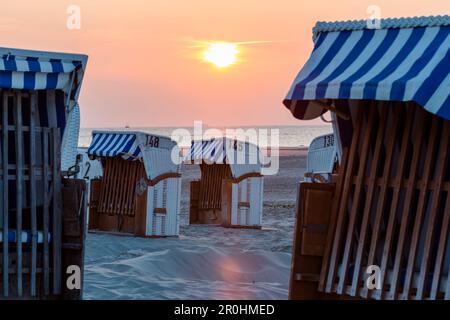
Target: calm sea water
(289,136)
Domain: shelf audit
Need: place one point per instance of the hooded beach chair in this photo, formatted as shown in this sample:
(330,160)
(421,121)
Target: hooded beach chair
(140,188)
(42,214)
(230,190)
(387,213)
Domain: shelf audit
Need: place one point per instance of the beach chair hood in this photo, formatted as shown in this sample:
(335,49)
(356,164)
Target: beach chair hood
(153,150)
(39,70)
(244,158)
(46,71)
(58,78)
(406,59)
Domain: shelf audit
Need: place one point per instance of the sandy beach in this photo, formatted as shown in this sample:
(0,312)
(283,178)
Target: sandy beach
(204,262)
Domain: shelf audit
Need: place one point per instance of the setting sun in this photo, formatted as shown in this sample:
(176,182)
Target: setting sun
(221,54)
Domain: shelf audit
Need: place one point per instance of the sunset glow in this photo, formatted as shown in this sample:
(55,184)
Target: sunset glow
(154,63)
(221,54)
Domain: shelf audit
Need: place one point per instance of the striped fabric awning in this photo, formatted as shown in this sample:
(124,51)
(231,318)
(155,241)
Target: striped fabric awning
(35,74)
(112,144)
(57,78)
(406,59)
(243,157)
(155,151)
(212,151)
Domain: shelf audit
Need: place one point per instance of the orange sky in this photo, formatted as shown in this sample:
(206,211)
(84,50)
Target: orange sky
(142,71)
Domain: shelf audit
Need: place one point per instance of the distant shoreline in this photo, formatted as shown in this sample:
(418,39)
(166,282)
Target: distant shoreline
(290,139)
(283,151)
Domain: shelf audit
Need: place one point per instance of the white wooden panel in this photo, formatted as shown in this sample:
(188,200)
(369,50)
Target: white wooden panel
(69,142)
(234,204)
(243,212)
(256,201)
(322,153)
(150,206)
(158,225)
(248,190)
(165,194)
(172,216)
(178,202)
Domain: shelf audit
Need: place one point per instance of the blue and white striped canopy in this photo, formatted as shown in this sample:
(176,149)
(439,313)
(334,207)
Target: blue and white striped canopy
(223,150)
(406,59)
(112,144)
(41,72)
(154,151)
(213,151)
(56,76)
(243,157)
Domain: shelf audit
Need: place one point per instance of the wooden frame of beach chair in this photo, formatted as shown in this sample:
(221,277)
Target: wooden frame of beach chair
(115,205)
(123,200)
(206,194)
(219,199)
(37,226)
(391,208)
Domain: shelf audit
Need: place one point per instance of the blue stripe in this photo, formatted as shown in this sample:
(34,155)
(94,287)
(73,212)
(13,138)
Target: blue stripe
(370,88)
(10,63)
(444,112)
(299,90)
(5,79)
(346,85)
(57,65)
(351,57)
(97,145)
(100,143)
(429,86)
(122,143)
(13,236)
(409,61)
(319,41)
(29,80)
(33,67)
(399,85)
(52,80)
(111,144)
(33,64)
(94,142)
(191,151)
(105,144)
(127,147)
(115,144)
(137,152)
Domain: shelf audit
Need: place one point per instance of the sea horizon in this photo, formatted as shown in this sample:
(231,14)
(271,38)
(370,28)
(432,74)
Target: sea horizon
(290,136)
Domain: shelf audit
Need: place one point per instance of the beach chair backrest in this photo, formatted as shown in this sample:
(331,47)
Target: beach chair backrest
(321,156)
(120,175)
